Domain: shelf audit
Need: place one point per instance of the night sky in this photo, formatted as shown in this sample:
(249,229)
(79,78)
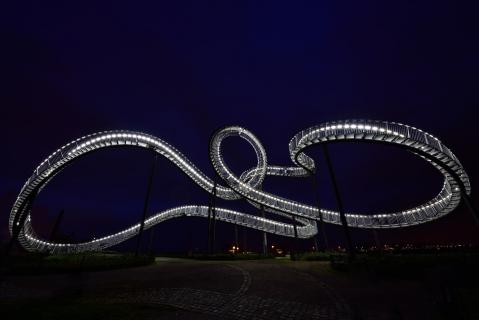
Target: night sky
(180,70)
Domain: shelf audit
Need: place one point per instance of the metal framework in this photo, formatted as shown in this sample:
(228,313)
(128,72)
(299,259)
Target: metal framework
(248,185)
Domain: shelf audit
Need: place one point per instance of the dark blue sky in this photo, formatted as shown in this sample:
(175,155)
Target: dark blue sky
(180,70)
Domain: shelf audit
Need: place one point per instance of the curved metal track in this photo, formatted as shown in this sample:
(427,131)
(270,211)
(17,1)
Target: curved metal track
(248,185)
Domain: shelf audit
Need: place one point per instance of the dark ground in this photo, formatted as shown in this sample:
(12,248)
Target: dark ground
(189,289)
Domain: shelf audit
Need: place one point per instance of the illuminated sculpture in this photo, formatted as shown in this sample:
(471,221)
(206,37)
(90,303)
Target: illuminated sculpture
(456,181)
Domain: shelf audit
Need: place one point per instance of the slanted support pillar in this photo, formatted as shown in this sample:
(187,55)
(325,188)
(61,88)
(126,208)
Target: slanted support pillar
(470,206)
(145,205)
(56,226)
(342,216)
(151,245)
(212,219)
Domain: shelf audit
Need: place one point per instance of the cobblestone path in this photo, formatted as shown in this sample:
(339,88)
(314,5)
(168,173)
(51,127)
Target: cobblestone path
(243,299)
(238,305)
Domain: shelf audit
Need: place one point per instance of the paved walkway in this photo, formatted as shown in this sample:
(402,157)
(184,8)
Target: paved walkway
(222,290)
(239,305)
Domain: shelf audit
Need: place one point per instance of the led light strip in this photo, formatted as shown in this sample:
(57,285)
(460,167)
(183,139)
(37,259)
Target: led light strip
(248,185)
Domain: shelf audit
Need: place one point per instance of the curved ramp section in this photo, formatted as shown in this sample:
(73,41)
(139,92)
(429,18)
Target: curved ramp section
(248,185)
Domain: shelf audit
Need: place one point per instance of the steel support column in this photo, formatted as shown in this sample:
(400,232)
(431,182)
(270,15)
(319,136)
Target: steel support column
(294,247)
(377,241)
(236,239)
(56,226)
(151,247)
(213,235)
(339,203)
(212,218)
(145,205)
(265,237)
(470,206)
(321,221)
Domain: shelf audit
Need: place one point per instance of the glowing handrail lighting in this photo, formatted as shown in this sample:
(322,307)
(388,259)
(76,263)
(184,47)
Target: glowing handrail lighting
(248,185)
